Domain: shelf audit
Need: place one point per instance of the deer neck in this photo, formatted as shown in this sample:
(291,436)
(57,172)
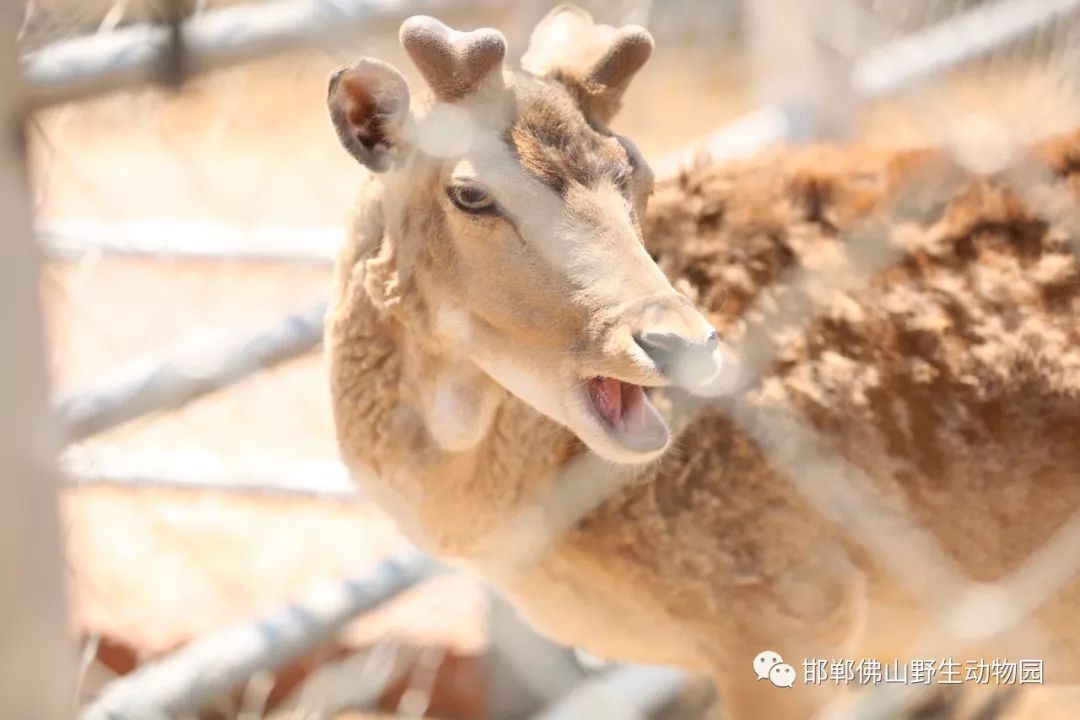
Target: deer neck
(449,452)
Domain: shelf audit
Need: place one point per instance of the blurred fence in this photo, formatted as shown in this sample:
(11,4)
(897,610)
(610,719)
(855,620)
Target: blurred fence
(203,220)
(36,667)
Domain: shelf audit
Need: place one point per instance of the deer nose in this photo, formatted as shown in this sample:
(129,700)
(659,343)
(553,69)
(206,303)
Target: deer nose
(684,360)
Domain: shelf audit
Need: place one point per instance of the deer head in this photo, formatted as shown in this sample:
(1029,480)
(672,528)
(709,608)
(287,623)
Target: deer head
(511,247)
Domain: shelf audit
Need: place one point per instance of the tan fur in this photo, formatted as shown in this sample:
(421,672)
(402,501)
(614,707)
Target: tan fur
(960,397)
(951,379)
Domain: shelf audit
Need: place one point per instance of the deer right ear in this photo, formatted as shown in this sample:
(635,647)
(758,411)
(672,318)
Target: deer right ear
(369,104)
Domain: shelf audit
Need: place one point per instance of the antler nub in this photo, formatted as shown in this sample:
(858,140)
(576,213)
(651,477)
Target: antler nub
(454,64)
(630,49)
(600,58)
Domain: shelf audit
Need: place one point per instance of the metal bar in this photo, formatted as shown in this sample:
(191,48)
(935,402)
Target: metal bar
(153,239)
(791,69)
(223,661)
(137,54)
(192,372)
(747,134)
(529,670)
(908,59)
(885,70)
(199,472)
(626,692)
(37,658)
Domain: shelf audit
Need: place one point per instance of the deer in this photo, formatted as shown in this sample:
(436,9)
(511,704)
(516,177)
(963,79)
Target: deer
(517,296)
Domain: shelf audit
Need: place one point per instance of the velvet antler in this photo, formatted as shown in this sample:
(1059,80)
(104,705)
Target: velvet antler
(599,60)
(454,64)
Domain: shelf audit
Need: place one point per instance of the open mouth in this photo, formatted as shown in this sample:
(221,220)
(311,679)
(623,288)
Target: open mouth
(627,414)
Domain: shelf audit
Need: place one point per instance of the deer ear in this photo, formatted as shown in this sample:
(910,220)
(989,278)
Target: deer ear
(369,104)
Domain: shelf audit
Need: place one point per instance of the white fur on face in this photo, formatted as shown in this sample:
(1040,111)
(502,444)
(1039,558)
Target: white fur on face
(586,241)
(597,242)
(543,388)
(533,205)
(447,131)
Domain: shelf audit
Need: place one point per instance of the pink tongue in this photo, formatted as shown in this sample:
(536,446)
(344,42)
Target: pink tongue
(622,404)
(609,399)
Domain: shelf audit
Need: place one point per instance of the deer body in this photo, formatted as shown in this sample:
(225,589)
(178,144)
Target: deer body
(949,381)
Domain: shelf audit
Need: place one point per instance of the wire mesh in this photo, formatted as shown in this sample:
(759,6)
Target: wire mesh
(236,149)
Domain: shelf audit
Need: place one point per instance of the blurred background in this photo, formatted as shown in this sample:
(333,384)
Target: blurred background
(187,197)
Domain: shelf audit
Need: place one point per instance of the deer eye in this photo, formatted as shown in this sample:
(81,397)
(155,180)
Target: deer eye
(470,198)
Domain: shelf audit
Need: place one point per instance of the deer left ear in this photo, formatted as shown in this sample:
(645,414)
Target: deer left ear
(369,105)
